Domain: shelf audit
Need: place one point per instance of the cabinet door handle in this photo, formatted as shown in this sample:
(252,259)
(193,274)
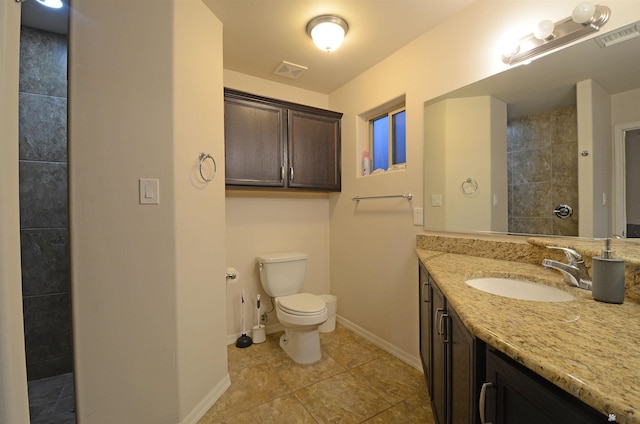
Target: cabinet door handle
(482,401)
(291,174)
(425,292)
(444,328)
(282,173)
(435,318)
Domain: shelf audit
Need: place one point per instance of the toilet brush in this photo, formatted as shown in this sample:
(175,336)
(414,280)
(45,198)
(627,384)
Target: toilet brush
(244,340)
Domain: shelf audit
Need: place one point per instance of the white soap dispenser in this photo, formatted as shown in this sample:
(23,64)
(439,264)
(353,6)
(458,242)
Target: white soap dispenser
(608,276)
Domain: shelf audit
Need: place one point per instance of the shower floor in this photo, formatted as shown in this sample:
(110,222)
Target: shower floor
(51,400)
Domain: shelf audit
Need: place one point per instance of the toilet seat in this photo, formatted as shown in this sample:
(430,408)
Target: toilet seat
(302,304)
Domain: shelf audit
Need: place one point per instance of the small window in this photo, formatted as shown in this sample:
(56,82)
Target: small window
(387,139)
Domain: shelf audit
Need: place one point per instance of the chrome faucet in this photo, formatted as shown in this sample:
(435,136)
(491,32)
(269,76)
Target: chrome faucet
(575,271)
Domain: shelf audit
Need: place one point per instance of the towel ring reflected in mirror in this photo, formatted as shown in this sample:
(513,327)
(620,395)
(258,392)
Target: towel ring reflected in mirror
(203,157)
(469,186)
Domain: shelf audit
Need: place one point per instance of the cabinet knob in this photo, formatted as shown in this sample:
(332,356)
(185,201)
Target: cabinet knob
(291,174)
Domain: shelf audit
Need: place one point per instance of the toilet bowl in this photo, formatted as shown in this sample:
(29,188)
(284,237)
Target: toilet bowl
(300,315)
(282,275)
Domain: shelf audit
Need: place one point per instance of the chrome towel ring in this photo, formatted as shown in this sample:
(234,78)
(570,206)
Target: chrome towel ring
(469,186)
(203,157)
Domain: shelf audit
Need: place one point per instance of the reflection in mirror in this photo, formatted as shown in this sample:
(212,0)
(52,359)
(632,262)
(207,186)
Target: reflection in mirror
(539,141)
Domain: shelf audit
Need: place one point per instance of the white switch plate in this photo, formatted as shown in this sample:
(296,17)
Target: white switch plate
(436,200)
(417,216)
(149,191)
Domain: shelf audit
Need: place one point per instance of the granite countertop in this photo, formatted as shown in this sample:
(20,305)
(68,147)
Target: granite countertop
(589,349)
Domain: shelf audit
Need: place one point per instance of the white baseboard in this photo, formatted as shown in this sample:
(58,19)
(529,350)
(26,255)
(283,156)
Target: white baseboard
(274,328)
(203,406)
(382,344)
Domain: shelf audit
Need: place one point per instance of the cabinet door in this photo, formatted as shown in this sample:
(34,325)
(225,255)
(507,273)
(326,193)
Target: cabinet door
(314,151)
(465,378)
(518,395)
(425,324)
(254,143)
(439,376)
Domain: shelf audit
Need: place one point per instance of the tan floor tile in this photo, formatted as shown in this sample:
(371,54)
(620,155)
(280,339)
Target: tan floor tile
(350,350)
(249,386)
(297,376)
(341,399)
(391,378)
(416,409)
(284,410)
(354,381)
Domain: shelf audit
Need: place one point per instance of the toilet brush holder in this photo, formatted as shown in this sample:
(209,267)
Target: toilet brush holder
(259,334)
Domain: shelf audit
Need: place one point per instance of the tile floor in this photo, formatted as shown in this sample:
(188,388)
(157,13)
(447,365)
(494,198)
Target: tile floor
(51,400)
(354,382)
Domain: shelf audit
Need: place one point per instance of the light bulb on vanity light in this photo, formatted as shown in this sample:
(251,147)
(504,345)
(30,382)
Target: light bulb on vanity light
(583,13)
(544,30)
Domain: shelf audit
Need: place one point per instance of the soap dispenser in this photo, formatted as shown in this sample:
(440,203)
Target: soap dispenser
(608,276)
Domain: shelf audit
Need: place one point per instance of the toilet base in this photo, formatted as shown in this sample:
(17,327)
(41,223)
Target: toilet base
(302,345)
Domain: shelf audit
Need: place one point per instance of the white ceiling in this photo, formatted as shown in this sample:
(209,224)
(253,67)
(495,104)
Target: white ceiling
(259,34)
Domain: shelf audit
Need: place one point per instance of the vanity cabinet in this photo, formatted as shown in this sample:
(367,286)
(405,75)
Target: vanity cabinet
(272,144)
(425,323)
(514,394)
(452,359)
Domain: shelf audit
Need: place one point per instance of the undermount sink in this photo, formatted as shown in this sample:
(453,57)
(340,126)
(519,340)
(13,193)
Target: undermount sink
(520,289)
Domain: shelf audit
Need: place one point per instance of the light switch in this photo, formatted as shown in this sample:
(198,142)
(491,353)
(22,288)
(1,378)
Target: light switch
(149,191)
(417,216)
(436,200)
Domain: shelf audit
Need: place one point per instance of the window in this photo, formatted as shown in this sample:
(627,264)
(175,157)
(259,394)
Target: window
(387,139)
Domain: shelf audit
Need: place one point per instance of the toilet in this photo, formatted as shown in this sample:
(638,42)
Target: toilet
(282,276)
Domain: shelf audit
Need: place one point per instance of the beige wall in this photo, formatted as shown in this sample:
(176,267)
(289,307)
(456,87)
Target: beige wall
(14,406)
(147,280)
(594,169)
(373,266)
(470,143)
(267,221)
(625,107)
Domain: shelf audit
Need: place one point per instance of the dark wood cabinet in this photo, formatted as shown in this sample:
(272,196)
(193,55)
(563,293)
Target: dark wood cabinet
(280,145)
(425,323)
(514,394)
(452,359)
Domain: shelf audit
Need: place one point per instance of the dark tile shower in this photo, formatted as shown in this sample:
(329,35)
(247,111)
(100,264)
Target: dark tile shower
(44,225)
(543,171)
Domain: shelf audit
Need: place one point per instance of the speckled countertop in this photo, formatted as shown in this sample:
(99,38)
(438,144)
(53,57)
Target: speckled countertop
(587,348)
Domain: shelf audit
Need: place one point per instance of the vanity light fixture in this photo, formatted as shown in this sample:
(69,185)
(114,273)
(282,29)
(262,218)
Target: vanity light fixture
(53,4)
(327,31)
(585,19)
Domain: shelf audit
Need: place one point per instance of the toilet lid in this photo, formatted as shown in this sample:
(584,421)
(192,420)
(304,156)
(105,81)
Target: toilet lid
(302,304)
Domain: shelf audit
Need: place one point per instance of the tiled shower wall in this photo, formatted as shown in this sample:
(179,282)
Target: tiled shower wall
(43,203)
(542,155)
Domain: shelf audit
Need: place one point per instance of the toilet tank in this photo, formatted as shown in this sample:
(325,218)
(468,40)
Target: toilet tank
(282,274)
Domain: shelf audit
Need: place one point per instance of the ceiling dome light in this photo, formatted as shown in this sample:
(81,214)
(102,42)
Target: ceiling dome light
(54,4)
(583,13)
(327,31)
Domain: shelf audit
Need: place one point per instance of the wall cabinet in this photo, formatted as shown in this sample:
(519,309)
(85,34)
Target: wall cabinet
(453,360)
(280,145)
(515,394)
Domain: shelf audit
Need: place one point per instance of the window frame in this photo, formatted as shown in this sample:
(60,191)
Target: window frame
(389,113)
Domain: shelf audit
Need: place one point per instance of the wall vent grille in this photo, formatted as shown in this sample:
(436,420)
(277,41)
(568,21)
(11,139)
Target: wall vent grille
(619,36)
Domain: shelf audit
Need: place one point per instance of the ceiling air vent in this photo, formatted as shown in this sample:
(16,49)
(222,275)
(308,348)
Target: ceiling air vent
(289,70)
(620,35)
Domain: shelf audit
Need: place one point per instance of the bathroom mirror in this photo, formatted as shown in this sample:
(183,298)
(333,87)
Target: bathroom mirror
(531,150)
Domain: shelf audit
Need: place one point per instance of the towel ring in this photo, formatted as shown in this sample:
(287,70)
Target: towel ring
(203,157)
(469,186)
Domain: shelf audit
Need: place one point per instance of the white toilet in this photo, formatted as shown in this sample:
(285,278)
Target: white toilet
(282,275)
